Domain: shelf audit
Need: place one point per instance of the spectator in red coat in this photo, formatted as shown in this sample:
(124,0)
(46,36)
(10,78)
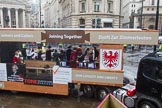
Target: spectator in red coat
(16,58)
(73,57)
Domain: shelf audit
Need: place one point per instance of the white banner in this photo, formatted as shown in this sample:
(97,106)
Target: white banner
(62,75)
(3,72)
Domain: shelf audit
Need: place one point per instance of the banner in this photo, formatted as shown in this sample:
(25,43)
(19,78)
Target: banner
(39,76)
(17,35)
(110,59)
(66,36)
(62,75)
(15,72)
(97,76)
(3,72)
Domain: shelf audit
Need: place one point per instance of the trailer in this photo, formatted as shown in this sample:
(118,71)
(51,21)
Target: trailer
(97,79)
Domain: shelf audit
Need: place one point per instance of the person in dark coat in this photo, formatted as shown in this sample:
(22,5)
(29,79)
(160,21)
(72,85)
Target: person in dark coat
(56,56)
(68,53)
(48,53)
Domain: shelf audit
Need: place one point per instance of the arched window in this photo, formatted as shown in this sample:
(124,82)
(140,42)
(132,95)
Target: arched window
(82,22)
(152,19)
(151,27)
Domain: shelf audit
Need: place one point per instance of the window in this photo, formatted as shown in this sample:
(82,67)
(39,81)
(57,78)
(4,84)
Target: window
(152,9)
(151,27)
(152,19)
(96,6)
(153,2)
(147,9)
(83,7)
(159,75)
(109,6)
(93,23)
(96,23)
(107,25)
(153,70)
(150,69)
(82,23)
(132,11)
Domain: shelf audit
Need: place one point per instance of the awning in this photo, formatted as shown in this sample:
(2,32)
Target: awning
(107,20)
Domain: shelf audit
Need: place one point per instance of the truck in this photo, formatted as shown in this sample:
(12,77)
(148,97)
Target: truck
(147,92)
(97,79)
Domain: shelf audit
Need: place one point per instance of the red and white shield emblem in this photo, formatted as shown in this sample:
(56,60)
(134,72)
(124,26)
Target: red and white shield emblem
(110,58)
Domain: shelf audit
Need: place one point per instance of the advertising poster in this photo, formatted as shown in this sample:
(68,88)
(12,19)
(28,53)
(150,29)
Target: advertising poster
(15,72)
(111,59)
(62,75)
(3,72)
(39,76)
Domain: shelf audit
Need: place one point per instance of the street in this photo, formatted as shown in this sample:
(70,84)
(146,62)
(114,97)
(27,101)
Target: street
(33,100)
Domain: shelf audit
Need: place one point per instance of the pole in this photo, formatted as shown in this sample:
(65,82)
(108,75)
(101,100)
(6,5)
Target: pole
(40,12)
(120,14)
(141,14)
(157,19)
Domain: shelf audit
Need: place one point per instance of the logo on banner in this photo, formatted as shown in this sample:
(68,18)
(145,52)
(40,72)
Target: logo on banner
(110,58)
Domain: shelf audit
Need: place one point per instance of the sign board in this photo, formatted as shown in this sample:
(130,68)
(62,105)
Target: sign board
(3,72)
(66,36)
(107,36)
(15,72)
(38,76)
(20,35)
(111,57)
(62,75)
(145,37)
(97,76)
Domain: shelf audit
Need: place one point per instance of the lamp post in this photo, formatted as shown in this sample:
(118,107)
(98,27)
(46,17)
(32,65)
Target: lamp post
(40,12)
(157,19)
(141,14)
(120,14)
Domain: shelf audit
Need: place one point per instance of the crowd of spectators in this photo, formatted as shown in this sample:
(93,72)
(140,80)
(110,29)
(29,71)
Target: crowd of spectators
(70,57)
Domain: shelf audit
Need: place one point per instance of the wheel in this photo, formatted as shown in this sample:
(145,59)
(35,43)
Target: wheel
(146,104)
(88,90)
(101,93)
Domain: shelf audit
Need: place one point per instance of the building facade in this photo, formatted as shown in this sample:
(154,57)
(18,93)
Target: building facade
(131,13)
(149,15)
(83,13)
(14,14)
(141,14)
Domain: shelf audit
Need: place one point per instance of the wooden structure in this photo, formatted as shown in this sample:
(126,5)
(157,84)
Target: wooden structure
(110,43)
(58,89)
(111,102)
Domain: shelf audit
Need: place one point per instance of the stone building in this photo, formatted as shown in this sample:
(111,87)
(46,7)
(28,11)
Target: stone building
(82,13)
(14,14)
(141,14)
(149,14)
